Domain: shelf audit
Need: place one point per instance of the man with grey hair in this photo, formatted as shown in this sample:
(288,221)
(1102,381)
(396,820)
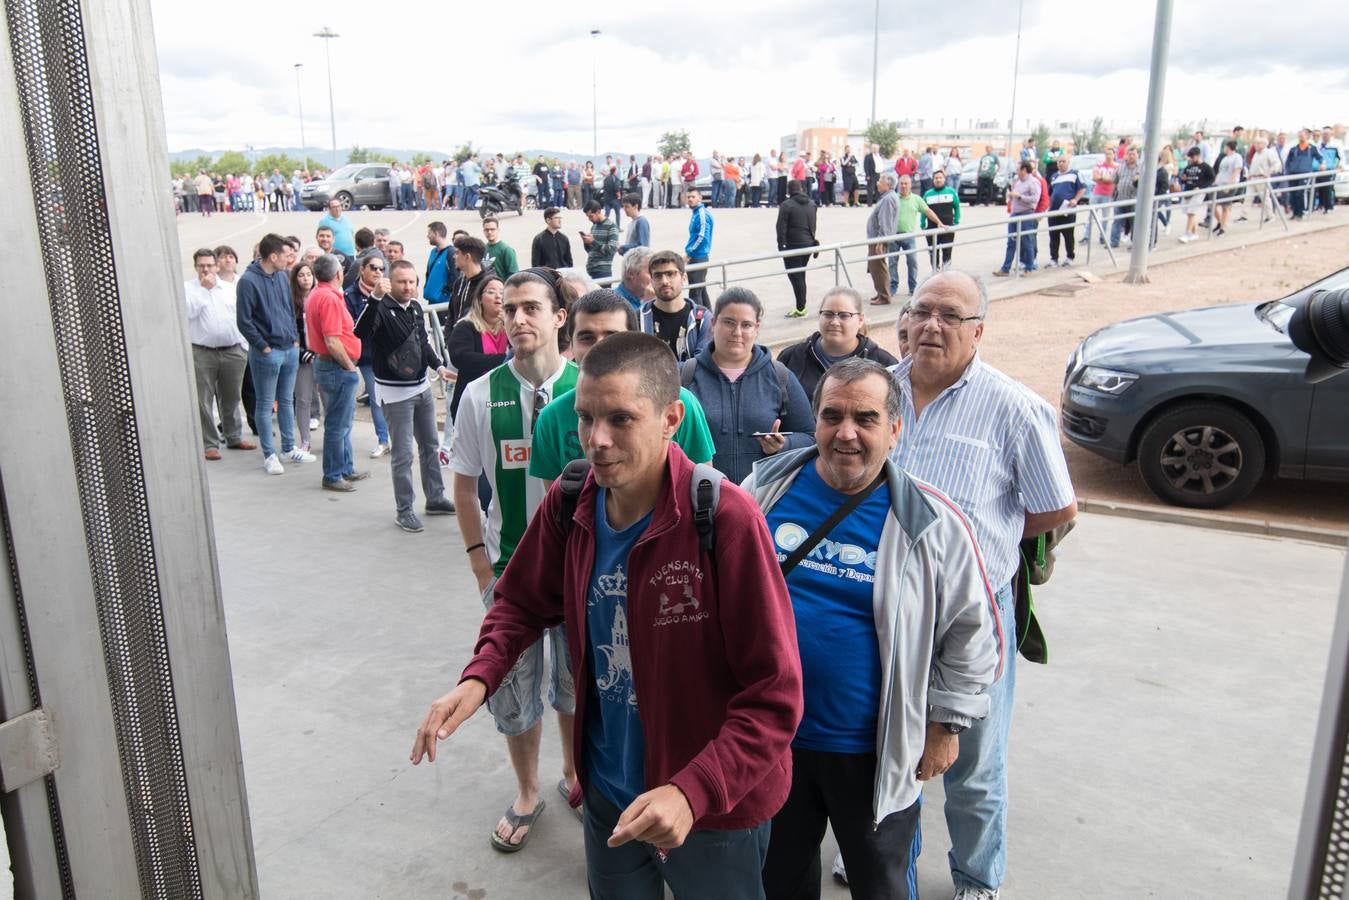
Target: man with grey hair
(858,540)
(636,284)
(331,335)
(881,224)
(992,446)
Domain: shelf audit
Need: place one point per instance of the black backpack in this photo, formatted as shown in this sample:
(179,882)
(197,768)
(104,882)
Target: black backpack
(705,487)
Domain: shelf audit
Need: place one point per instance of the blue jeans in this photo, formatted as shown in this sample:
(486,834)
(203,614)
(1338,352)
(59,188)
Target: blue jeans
(376,414)
(274,382)
(976,786)
(1123,224)
(716,192)
(339,408)
(1102,216)
(612,205)
(724,864)
(1020,234)
(910,262)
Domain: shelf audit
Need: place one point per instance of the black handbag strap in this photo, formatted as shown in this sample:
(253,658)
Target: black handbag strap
(847,506)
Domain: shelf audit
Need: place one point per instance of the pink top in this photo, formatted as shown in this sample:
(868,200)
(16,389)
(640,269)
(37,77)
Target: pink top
(732,375)
(494,343)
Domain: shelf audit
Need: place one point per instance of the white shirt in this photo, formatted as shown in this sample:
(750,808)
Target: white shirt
(211,319)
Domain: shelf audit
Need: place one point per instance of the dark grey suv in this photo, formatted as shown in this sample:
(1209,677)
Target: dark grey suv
(1208,401)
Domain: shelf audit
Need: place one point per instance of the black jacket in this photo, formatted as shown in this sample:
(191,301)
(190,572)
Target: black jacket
(466,354)
(612,189)
(796,223)
(805,361)
(383,327)
(552,249)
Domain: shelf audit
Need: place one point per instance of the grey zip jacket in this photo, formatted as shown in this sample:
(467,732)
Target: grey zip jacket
(937,623)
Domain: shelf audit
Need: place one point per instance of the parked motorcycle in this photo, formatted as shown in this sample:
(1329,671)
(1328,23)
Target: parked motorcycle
(504,197)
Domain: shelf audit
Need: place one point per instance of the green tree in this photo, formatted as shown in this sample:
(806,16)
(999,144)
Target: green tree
(421,159)
(674,143)
(1094,141)
(465,150)
(231,162)
(190,166)
(884,135)
(1041,135)
(359,154)
(1182,136)
(286,164)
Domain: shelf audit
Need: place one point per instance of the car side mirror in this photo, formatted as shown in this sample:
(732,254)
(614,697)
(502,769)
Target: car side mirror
(1320,328)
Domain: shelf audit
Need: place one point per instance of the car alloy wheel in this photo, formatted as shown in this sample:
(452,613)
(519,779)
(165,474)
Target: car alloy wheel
(1201,455)
(345,199)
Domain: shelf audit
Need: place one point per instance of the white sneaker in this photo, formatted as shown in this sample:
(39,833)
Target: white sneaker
(974,893)
(380,450)
(273,466)
(313,424)
(299,454)
(840,873)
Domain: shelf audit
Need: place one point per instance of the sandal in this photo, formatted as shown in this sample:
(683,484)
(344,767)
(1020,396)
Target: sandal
(578,811)
(516,822)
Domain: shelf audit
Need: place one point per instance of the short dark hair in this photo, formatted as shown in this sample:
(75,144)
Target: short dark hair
(294,241)
(1193,151)
(474,247)
(550,212)
(457,232)
(437,228)
(321,229)
(327,267)
(271,243)
(645,354)
(224,250)
(856,368)
(665,258)
(591,206)
(739,295)
(633,200)
(795,187)
(493,219)
(398,244)
(601,301)
(1231,145)
(204,251)
(400,264)
(365,239)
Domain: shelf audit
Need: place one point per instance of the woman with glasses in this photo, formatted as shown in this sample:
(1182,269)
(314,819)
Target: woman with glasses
(842,334)
(754,405)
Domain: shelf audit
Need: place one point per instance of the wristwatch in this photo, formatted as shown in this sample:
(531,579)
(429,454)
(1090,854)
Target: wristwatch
(952,727)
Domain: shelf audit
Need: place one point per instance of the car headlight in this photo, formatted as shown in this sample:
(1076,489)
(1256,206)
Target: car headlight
(1107,381)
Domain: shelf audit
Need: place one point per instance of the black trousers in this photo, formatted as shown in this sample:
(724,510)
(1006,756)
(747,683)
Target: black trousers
(1061,229)
(872,181)
(698,293)
(798,279)
(835,789)
(984,191)
(939,250)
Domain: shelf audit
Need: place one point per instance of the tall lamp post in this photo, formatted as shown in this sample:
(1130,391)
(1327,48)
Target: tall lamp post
(594,98)
(328,34)
(1144,218)
(1016,69)
(299,99)
(875,58)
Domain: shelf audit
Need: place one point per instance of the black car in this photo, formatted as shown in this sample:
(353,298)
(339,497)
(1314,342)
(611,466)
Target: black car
(1208,401)
(969,182)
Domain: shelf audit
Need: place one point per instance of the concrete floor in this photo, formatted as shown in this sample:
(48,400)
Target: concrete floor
(1163,753)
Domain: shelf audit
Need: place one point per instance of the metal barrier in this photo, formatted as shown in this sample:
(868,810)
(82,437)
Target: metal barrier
(1273,187)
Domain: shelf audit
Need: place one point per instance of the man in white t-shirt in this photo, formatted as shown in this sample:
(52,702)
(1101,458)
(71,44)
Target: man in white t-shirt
(493,436)
(1227,179)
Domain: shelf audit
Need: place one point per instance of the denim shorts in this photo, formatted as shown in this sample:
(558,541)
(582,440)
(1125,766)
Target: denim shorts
(517,705)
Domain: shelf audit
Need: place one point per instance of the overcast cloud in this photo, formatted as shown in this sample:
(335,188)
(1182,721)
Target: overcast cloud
(736,76)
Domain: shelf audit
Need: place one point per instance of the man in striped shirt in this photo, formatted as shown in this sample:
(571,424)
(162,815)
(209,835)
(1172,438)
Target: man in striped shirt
(992,446)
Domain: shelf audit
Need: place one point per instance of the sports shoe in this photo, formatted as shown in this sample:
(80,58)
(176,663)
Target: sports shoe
(356,476)
(1186,238)
(408,521)
(1000,273)
(272,465)
(840,873)
(340,485)
(795,314)
(1066,264)
(380,450)
(441,507)
(974,893)
(313,424)
(300,454)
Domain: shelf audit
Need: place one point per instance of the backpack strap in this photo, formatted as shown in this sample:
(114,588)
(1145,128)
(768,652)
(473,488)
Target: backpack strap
(705,488)
(571,481)
(783,374)
(686,370)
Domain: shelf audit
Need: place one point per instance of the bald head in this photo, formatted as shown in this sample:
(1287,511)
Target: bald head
(954,286)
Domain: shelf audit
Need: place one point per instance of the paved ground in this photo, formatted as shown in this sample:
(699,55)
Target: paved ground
(1173,727)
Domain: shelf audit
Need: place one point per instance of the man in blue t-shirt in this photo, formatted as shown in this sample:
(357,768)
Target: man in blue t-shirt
(1066,189)
(896,628)
(344,234)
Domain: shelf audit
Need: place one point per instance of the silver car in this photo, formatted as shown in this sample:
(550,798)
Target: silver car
(354,185)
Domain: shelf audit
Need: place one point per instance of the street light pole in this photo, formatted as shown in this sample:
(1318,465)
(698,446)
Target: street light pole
(1016,69)
(875,58)
(328,34)
(594,99)
(1144,219)
(299,99)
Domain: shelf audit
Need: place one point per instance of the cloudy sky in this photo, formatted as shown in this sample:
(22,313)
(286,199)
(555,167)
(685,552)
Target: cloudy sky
(737,76)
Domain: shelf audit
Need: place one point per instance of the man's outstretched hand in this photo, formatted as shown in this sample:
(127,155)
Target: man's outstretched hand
(661,817)
(446,715)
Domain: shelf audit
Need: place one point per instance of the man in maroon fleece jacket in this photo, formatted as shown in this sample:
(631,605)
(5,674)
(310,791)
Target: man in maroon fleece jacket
(689,686)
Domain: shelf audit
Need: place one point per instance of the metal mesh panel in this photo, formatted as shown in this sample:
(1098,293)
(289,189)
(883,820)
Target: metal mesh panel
(56,98)
(1335,870)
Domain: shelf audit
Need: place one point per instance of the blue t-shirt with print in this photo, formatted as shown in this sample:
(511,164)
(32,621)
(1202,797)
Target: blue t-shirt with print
(614,745)
(832,600)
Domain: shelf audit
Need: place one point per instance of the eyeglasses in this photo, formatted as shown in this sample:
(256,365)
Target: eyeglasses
(733,325)
(830,315)
(919,316)
(375,268)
